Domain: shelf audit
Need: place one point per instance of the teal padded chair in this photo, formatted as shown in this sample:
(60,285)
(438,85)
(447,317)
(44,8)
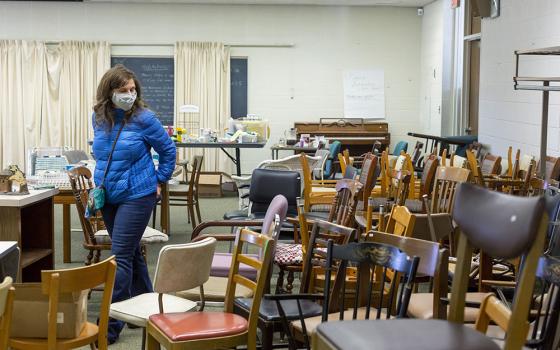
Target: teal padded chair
(334,150)
(401,146)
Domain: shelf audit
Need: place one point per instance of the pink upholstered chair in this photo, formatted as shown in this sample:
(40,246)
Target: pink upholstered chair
(215,288)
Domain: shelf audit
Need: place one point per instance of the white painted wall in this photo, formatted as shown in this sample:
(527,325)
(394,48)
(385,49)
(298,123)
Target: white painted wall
(302,83)
(431,62)
(509,117)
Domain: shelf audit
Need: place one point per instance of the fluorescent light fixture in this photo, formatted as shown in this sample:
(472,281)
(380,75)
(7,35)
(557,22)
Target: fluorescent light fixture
(189,109)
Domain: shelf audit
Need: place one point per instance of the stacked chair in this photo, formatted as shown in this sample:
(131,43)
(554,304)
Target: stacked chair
(215,287)
(517,229)
(428,275)
(290,256)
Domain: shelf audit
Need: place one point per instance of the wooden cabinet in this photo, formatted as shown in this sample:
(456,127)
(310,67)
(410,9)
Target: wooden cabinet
(29,220)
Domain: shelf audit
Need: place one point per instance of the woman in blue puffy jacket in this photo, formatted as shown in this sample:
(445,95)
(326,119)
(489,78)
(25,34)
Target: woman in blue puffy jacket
(132,183)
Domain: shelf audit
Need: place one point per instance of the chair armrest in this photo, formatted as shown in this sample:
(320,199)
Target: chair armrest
(292,220)
(223,223)
(303,296)
(182,162)
(226,237)
(493,310)
(241,178)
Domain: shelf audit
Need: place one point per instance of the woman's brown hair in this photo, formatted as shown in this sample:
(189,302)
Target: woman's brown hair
(115,78)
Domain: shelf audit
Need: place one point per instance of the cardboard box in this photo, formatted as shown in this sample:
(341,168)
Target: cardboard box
(210,184)
(31,308)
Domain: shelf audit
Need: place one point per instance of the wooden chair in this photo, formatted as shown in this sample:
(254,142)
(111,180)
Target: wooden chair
(187,194)
(416,157)
(290,257)
(518,185)
(96,237)
(491,164)
(211,330)
(444,158)
(56,282)
(426,185)
(383,180)
(375,294)
(313,276)
(488,167)
(545,309)
(458,161)
(399,185)
(400,222)
(270,320)
(552,170)
(215,288)
(6,309)
(445,184)
(441,205)
(81,183)
(196,258)
(315,192)
(433,264)
(517,229)
(513,167)
(367,178)
(396,194)
(344,160)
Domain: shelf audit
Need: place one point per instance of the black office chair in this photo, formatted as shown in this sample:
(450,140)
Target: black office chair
(265,185)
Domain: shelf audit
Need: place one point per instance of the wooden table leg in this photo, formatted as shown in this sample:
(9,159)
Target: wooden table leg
(164,219)
(66,234)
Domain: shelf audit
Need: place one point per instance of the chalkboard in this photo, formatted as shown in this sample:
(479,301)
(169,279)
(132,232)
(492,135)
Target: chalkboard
(238,67)
(156,75)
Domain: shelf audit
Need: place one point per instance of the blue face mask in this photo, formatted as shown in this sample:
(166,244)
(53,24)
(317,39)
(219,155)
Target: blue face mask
(124,100)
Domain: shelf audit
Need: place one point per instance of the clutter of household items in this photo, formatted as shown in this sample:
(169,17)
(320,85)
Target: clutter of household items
(47,167)
(250,129)
(246,130)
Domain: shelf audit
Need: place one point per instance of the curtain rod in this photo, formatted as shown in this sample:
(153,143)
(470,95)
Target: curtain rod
(52,42)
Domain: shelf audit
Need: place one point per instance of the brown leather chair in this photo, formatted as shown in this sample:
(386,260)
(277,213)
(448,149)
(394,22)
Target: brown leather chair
(517,229)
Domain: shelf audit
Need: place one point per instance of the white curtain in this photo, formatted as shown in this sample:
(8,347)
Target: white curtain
(21,79)
(47,94)
(202,78)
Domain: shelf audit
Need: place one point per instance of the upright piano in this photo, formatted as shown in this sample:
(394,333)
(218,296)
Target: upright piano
(356,134)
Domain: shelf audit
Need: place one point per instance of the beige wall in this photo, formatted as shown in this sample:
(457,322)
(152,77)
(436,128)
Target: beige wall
(302,83)
(509,117)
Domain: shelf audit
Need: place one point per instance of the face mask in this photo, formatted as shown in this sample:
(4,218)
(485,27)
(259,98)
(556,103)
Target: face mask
(124,100)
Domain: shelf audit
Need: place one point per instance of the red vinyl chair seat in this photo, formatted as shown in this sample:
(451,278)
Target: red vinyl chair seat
(185,326)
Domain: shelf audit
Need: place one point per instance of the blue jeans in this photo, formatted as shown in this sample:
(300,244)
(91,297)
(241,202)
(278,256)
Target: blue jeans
(126,223)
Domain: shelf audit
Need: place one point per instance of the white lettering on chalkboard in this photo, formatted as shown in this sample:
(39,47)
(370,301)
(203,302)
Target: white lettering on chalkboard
(157,77)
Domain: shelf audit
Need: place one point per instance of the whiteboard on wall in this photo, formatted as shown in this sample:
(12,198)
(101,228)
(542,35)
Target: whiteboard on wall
(364,94)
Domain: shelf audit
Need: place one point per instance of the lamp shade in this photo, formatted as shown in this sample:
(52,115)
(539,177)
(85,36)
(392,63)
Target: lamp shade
(189,109)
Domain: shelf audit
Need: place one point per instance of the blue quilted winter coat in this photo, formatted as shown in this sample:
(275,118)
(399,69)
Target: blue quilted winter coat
(132,173)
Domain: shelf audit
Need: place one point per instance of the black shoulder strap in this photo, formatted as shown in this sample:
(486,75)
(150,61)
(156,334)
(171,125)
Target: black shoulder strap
(111,154)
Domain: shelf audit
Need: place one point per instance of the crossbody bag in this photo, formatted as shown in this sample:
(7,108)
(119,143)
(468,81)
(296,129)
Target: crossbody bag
(96,195)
